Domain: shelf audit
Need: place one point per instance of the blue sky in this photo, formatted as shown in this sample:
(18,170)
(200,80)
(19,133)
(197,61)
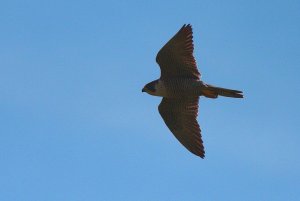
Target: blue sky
(75,125)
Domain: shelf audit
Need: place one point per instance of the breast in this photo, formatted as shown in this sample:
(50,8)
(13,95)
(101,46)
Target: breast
(160,89)
(177,88)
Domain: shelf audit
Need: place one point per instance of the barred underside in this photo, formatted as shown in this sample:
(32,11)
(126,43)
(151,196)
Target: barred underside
(178,88)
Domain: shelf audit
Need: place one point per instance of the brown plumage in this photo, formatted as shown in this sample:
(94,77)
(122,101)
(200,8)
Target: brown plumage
(176,57)
(180,86)
(180,115)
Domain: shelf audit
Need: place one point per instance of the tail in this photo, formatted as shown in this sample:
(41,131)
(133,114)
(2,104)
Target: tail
(213,92)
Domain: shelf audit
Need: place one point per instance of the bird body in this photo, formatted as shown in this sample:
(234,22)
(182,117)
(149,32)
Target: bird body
(177,88)
(180,86)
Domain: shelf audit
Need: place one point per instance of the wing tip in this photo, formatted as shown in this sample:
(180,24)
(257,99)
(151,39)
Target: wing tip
(186,27)
(200,154)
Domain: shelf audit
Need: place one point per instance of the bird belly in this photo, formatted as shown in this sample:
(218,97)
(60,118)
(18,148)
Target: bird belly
(178,88)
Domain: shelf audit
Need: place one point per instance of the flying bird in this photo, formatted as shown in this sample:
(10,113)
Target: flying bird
(180,86)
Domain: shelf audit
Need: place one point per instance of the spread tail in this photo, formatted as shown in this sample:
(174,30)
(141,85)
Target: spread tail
(213,92)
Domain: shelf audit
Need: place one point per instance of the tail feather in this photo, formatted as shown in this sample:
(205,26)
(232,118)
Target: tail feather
(213,92)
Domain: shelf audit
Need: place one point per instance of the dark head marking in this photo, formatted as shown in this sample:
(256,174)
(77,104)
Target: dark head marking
(151,86)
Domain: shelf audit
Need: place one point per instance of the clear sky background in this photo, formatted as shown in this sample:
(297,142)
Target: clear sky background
(74,124)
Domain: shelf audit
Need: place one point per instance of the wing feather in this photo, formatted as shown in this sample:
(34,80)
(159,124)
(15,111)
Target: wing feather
(180,115)
(176,56)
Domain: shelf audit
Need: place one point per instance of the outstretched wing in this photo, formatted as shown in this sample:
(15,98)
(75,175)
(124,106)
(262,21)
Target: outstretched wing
(180,115)
(176,57)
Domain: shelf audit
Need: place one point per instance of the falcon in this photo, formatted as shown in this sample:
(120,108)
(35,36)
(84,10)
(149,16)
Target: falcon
(180,86)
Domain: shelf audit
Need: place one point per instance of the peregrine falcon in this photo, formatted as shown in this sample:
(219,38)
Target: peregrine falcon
(180,86)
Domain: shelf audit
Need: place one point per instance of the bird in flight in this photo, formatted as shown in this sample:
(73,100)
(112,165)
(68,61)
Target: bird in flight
(180,86)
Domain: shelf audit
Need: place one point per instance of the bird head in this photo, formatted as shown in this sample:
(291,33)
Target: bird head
(150,87)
